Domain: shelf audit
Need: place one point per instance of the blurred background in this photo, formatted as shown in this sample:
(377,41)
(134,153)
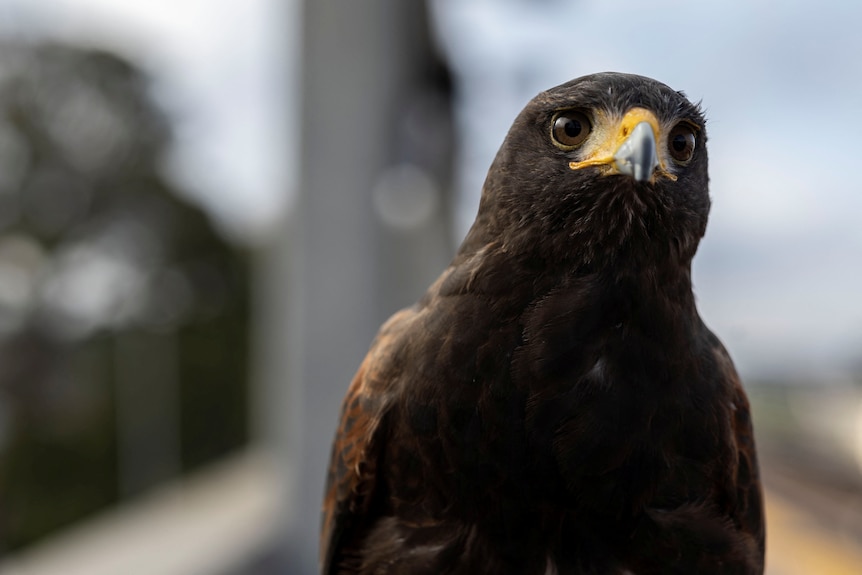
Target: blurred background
(208,207)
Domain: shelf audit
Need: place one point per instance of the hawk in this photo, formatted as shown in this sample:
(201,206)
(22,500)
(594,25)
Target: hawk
(554,404)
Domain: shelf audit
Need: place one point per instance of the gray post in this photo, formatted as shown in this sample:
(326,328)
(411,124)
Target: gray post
(369,198)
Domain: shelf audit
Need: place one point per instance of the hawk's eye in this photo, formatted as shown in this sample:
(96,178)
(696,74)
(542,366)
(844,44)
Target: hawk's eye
(680,142)
(570,129)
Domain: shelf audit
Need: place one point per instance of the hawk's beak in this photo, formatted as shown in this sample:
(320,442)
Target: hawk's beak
(636,156)
(626,146)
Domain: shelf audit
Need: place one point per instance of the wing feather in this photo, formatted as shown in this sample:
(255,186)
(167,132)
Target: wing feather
(748,514)
(352,479)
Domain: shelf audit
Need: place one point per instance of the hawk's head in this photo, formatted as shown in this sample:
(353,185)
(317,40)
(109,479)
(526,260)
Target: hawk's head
(604,166)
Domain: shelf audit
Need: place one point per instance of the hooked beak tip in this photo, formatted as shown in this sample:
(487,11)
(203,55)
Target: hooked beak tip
(636,156)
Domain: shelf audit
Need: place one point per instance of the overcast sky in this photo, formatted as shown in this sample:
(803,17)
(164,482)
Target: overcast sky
(779,274)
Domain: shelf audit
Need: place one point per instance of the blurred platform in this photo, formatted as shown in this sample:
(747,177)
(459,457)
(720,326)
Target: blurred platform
(215,523)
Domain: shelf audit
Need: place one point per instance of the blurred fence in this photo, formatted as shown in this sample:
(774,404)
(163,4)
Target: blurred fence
(123,314)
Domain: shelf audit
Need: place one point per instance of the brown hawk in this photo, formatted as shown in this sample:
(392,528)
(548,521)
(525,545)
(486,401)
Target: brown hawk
(554,404)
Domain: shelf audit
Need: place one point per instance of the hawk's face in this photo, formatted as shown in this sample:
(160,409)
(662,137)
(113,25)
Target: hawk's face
(601,166)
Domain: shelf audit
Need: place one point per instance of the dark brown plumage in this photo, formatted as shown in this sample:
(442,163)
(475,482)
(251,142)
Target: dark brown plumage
(554,404)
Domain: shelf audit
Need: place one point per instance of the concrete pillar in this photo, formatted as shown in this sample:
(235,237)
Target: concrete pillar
(367,233)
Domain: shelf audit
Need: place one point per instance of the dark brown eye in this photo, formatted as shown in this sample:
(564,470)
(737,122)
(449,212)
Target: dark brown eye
(570,129)
(680,142)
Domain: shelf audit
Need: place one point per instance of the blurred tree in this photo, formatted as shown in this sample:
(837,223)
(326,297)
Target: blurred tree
(123,315)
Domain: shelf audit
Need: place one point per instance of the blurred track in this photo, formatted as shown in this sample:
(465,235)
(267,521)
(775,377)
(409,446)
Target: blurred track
(813,528)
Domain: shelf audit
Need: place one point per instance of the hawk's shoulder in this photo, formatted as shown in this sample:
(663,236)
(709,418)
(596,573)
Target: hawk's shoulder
(352,477)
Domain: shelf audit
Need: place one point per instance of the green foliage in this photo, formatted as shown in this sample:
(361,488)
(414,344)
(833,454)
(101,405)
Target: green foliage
(123,314)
